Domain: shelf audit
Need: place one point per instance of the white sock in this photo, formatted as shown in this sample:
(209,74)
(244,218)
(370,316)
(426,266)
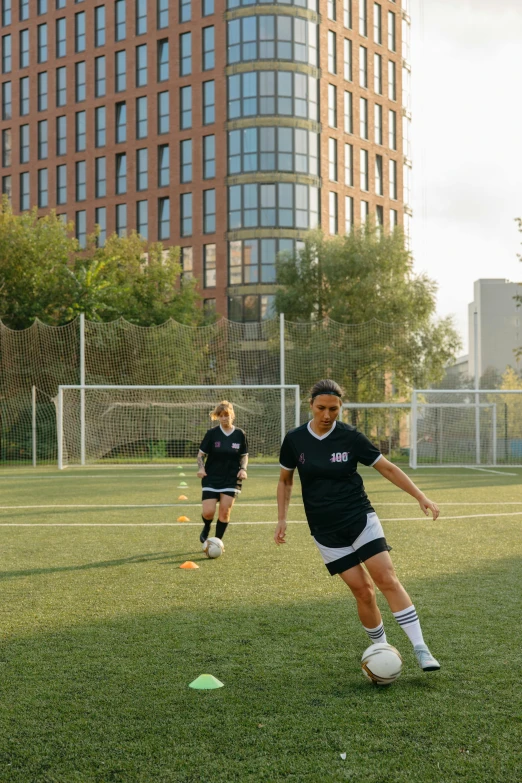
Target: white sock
(377,635)
(409,622)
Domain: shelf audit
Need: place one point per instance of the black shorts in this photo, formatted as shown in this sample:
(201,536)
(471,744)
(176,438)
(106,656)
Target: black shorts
(209,494)
(339,555)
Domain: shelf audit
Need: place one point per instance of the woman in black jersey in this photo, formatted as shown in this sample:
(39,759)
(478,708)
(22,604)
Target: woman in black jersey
(225,449)
(345,527)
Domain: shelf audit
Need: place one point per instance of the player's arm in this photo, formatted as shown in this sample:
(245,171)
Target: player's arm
(243,462)
(201,464)
(401,480)
(284,493)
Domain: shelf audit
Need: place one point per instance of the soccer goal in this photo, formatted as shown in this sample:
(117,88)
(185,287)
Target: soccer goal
(144,424)
(387,424)
(466,428)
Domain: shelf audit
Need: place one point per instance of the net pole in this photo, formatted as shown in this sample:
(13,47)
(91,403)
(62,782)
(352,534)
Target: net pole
(413,431)
(297,406)
(82,390)
(477,385)
(59,427)
(494,426)
(33,423)
(282,368)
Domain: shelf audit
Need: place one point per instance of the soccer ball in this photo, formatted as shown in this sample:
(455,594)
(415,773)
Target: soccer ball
(213,547)
(381,663)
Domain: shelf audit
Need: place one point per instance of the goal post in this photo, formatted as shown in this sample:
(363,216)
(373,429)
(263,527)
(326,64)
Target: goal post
(133,424)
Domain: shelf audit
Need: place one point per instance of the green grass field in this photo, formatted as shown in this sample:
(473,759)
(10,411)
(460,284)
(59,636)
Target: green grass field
(102,633)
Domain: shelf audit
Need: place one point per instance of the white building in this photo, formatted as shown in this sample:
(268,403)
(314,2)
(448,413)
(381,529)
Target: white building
(499,325)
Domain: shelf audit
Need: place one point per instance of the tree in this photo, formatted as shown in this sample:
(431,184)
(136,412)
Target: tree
(366,278)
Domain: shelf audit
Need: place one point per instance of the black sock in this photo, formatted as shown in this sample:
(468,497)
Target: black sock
(221,528)
(206,529)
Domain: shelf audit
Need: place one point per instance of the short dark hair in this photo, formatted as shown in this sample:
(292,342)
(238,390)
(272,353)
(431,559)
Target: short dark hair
(326,387)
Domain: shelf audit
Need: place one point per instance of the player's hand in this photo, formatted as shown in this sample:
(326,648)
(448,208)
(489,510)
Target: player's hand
(428,505)
(280,533)
(242,474)
(201,473)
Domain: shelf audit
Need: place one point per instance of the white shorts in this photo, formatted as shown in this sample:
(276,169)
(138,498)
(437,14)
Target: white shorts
(368,543)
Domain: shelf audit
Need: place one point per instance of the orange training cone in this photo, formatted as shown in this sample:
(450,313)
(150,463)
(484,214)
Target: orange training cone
(183,519)
(183,497)
(188,565)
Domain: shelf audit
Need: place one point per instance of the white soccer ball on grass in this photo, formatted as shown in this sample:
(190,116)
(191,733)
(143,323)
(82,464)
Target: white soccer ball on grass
(213,547)
(382,663)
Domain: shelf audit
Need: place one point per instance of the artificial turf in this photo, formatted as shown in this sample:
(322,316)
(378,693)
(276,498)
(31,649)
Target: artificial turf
(102,633)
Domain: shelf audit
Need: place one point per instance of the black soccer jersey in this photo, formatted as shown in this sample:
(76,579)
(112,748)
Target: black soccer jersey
(333,491)
(224,454)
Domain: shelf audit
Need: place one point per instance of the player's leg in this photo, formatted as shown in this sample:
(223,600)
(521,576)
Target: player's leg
(225,507)
(363,591)
(208,509)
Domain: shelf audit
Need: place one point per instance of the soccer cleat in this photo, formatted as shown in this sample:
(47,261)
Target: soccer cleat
(426,660)
(204,534)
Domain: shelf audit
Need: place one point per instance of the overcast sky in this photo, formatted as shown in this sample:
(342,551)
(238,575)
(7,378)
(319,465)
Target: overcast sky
(466,145)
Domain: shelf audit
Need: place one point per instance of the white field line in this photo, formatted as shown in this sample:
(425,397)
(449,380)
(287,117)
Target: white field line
(498,472)
(267,522)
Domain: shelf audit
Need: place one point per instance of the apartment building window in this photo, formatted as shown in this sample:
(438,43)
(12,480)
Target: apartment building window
(332,159)
(100,177)
(141,65)
(365,211)
(378,123)
(7,186)
(61,135)
(120,71)
(347,14)
(163,14)
(348,59)
(41,39)
(394,219)
(121,219)
(364,170)
(25,201)
(209,103)
(100,77)
(142,218)
(208,48)
(163,60)
(141,118)
(164,112)
(121,173)
(61,37)
(208,7)
(163,218)
(209,266)
(377,73)
(332,52)
(348,214)
(186,214)
(81,87)
(79,32)
(81,228)
(100,126)
(81,183)
(330,10)
(379,182)
(61,87)
(392,85)
(7,147)
(61,184)
(24,9)
(392,129)
(24,143)
(59,4)
(120,32)
(209,211)
(332,213)
(6,13)
(142,169)
(186,160)
(185,11)
(121,122)
(377,23)
(348,165)
(209,157)
(332,106)
(363,67)
(363,112)
(43,140)
(42,91)
(185,54)
(7,54)
(7,102)
(348,112)
(100,219)
(41,7)
(141,17)
(379,214)
(392,175)
(24,49)
(81,131)
(187,262)
(99,25)
(363,18)
(392,41)
(163,166)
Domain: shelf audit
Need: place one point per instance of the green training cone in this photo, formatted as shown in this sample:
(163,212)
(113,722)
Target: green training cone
(182,484)
(181,474)
(206,682)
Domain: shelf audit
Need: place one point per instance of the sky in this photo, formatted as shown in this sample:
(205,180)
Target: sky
(466,59)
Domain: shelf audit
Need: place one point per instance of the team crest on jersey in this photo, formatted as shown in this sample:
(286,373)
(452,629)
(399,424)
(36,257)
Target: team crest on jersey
(302,458)
(235,445)
(217,444)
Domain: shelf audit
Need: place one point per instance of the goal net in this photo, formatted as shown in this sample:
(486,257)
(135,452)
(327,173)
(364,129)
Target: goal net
(144,424)
(387,425)
(466,428)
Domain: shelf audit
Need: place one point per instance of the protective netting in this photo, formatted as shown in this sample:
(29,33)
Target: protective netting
(387,426)
(467,428)
(374,362)
(145,425)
